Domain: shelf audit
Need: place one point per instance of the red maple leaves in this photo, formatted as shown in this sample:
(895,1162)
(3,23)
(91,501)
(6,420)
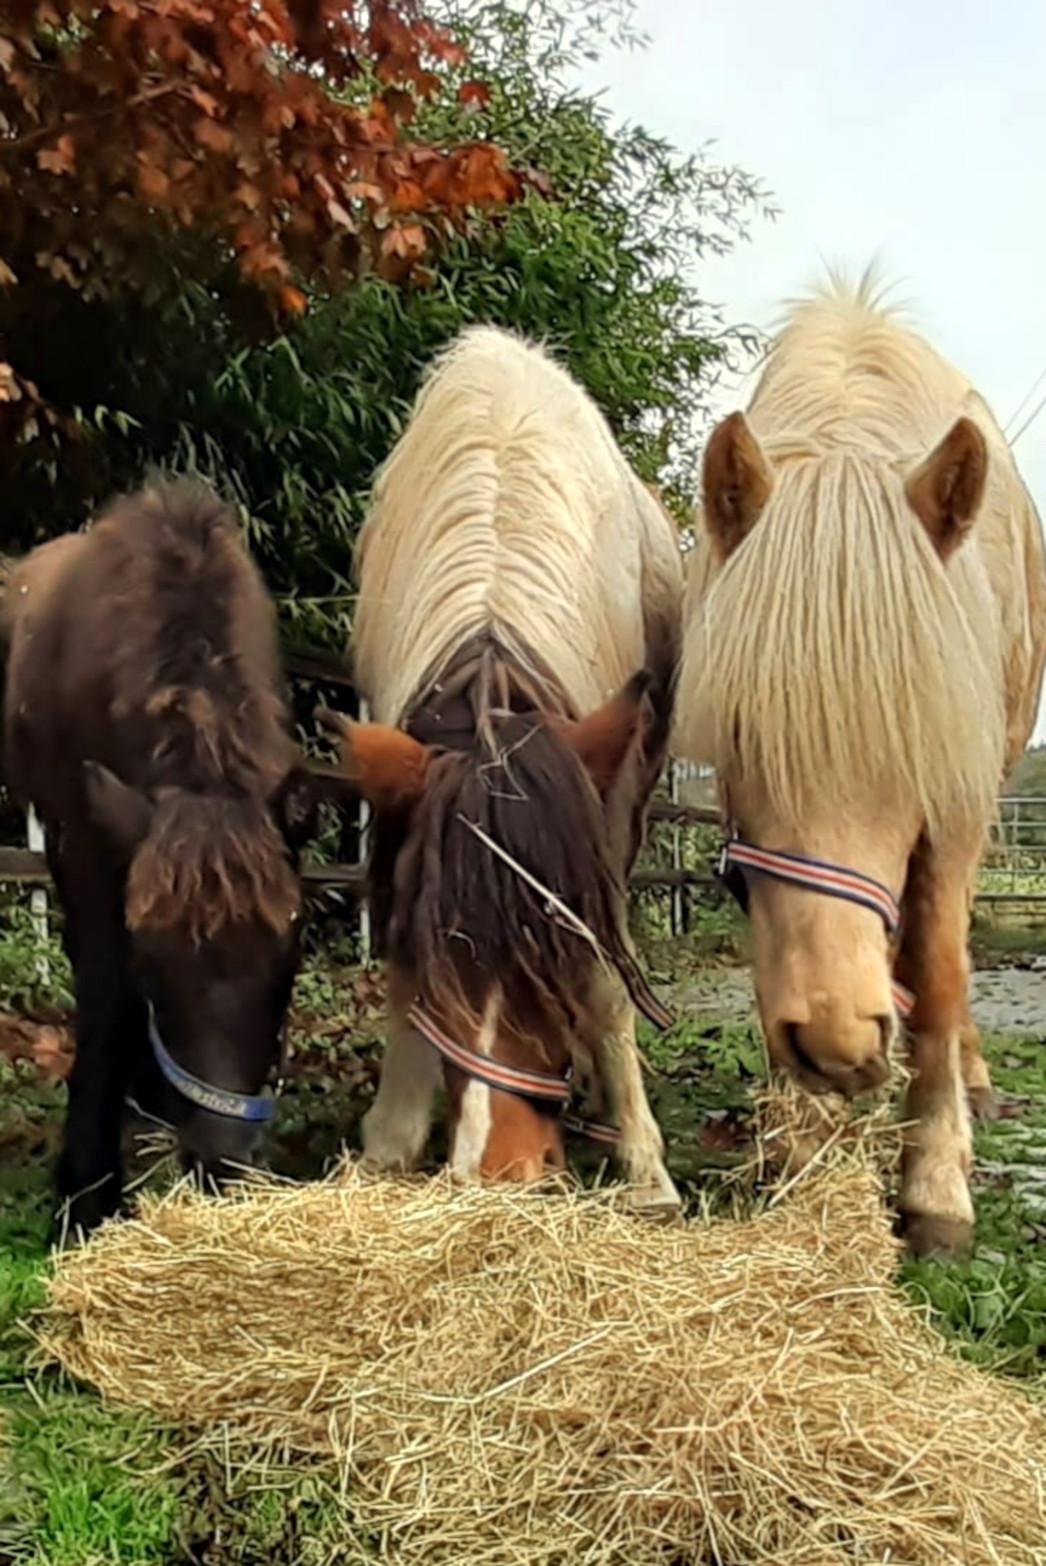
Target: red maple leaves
(275,132)
(279,128)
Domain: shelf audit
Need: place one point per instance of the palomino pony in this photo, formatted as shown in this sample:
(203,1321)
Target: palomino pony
(863,658)
(145,721)
(514,576)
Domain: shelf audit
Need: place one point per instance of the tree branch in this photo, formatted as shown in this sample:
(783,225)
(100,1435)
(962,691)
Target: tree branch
(90,117)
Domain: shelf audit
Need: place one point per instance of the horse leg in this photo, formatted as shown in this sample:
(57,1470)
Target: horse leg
(934,964)
(110,1023)
(641,1147)
(396,1127)
(975,1072)
(145,1080)
(110,1034)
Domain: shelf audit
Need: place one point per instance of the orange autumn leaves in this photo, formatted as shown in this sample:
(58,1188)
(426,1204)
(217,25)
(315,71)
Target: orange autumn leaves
(277,132)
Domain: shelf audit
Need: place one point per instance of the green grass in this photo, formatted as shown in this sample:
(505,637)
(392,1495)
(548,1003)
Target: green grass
(993,1307)
(81,1491)
(87,1485)
(72,1486)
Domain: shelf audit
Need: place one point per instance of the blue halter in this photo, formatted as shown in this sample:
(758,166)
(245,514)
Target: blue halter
(257,1107)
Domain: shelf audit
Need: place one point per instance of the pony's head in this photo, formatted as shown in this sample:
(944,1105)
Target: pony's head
(212,903)
(499,902)
(841,674)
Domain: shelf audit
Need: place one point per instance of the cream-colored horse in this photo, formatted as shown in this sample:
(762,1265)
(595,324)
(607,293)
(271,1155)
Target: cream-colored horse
(863,656)
(514,577)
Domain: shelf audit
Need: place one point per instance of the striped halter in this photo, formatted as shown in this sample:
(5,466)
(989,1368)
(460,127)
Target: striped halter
(548,1088)
(253,1107)
(737,860)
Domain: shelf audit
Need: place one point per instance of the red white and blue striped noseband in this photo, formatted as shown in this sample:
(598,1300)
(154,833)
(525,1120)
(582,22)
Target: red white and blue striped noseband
(738,859)
(549,1088)
(542,1087)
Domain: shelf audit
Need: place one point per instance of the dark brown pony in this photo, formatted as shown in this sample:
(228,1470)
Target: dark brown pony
(145,720)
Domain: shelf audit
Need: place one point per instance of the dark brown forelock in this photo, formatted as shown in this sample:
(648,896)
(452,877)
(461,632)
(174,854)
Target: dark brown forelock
(209,863)
(462,919)
(197,682)
(195,663)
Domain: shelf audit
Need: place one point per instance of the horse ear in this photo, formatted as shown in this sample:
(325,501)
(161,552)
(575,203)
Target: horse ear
(946,490)
(736,482)
(119,811)
(295,805)
(605,737)
(387,765)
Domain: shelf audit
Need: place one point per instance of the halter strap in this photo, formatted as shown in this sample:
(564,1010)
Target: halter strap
(256,1107)
(645,1000)
(903,999)
(594,1130)
(818,875)
(544,1085)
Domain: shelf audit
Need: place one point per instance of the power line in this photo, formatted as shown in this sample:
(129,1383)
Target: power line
(1028,395)
(1033,415)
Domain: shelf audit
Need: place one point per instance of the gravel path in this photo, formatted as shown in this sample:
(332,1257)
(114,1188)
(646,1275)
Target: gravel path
(1007,1000)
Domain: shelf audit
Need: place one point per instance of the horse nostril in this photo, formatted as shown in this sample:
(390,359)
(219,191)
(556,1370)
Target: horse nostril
(802,1059)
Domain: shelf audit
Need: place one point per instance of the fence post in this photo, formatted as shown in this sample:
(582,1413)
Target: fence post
(676,914)
(363,821)
(38,897)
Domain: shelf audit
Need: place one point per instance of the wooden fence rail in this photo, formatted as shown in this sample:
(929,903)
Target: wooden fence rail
(24,866)
(27,867)
(21,866)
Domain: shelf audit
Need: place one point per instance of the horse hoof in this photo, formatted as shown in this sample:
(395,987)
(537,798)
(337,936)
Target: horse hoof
(948,1239)
(656,1203)
(983,1103)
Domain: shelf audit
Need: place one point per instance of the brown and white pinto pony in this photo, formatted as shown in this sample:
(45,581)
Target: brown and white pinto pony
(863,656)
(516,640)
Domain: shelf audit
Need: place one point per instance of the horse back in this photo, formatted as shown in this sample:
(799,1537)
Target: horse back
(506,509)
(147,644)
(1009,535)
(31,613)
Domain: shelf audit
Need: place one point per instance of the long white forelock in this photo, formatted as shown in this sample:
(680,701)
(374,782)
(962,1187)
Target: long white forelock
(833,650)
(487,518)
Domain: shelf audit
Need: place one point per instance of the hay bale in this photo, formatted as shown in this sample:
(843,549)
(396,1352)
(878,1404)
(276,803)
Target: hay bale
(507,1376)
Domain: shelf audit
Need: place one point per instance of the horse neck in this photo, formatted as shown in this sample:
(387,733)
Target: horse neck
(459,707)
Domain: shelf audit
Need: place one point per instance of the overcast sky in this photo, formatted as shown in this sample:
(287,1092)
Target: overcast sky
(910,130)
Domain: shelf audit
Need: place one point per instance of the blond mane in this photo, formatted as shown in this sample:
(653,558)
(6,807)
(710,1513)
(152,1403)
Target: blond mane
(833,656)
(503,510)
